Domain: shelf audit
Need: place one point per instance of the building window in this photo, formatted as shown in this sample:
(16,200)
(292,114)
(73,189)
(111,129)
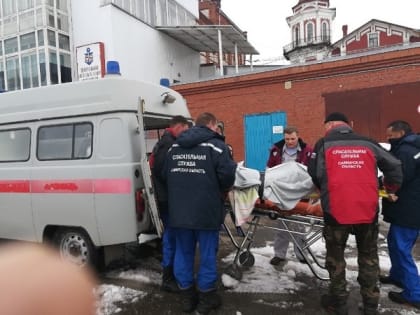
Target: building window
(62,5)
(324,32)
(310,32)
(29,71)
(9,7)
(15,145)
(373,40)
(53,67)
(65,142)
(155,12)
(63,22)
(10,45)
(10,26)
(40,37)
(27,20)
(12,73)
(27,41)
(2,82)
(51,18)
(51,38)
(63,42)
(25,4)
(297,36)
(65,67)
(42,68)
(39,19)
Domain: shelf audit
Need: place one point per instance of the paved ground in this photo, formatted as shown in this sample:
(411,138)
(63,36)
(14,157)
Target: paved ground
(304,301)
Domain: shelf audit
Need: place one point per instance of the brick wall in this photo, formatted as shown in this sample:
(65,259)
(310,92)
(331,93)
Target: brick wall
(297,90)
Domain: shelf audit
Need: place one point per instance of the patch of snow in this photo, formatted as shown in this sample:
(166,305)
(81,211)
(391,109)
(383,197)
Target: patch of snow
(111,295)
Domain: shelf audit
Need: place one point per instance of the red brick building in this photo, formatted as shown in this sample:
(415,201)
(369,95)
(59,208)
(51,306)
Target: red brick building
(372,89)
(373,35)
(211,14)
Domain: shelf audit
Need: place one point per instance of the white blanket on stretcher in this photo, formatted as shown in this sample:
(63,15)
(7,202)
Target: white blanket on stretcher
(285,185)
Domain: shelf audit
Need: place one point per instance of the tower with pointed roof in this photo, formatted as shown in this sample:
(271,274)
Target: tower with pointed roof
(310,29)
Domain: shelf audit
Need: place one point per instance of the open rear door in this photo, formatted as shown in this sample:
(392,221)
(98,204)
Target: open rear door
(148,193)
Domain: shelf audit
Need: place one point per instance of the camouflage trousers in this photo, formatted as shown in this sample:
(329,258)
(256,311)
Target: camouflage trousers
(366,239)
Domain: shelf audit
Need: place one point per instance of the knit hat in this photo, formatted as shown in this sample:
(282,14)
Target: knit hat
(336,116)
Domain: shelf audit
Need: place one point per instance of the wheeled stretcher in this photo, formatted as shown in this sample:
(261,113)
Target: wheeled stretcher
(276,194)
(306,213)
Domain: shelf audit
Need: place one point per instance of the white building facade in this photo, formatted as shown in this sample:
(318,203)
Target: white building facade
(45,42)
(310,27)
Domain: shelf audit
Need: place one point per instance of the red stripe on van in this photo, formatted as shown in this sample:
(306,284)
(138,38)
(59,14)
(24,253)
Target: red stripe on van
(112,186)
(14,186)
(63,186)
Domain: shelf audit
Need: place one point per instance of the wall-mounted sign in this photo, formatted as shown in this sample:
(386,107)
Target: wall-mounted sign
(90,61)
(277,129)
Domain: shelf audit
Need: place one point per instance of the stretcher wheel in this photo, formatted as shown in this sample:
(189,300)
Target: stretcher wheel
(273,216)
(246,259)
(234,271)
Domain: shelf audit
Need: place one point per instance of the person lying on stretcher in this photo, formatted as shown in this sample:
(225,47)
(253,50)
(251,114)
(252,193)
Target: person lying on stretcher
(287,188)
(284,186)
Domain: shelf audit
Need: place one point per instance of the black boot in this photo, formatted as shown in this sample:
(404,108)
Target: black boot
(334,305)
(370,308)
(168,280)
(189,299)
(208,301)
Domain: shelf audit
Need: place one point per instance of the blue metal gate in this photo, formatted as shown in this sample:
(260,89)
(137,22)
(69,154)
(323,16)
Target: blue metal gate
(261,131)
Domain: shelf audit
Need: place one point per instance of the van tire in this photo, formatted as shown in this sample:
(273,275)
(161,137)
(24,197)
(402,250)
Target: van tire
(75,246)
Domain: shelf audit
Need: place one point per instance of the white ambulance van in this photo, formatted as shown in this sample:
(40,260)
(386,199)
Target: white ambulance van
(73,164)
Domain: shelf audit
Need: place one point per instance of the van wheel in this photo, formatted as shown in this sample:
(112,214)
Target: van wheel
(75,246)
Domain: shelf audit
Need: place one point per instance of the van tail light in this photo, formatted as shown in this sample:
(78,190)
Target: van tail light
(140,205)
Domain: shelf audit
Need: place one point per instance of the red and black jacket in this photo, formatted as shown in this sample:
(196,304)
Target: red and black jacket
(344,168)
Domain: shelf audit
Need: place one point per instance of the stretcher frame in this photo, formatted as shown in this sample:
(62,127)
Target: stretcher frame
(243,256)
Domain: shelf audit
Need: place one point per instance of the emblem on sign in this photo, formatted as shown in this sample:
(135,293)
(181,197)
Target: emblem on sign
(88,56)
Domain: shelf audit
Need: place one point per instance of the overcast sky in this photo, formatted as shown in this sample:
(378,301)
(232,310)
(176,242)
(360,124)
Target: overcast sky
(268,32)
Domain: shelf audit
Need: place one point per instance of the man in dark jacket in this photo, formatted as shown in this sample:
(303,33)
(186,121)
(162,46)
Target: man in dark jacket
(157,159)
(198,171)
(291,148)
(344,168)
(404,216)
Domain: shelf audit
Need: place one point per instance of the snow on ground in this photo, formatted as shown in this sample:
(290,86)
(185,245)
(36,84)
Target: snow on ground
(262,277)
(111,295)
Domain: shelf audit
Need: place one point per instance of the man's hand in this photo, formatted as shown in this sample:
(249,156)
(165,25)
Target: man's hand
(392,197)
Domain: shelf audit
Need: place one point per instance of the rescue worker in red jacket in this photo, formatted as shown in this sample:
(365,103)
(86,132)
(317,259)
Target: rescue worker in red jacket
(344,168)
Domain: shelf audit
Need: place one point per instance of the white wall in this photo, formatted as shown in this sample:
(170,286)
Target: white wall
(143,53)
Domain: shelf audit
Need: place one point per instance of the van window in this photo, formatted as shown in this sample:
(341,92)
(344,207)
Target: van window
(65,142)
(111,138)
(15,145)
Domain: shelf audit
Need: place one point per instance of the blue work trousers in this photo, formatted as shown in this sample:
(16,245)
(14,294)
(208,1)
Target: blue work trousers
(168,242)
(186,242)
(401,241)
